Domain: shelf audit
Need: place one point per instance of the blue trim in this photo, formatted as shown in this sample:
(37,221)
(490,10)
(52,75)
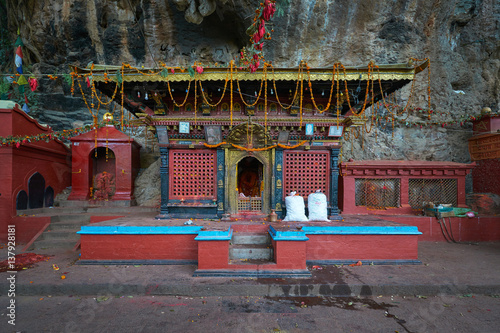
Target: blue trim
(270,274)
(138,262)
(131,230)
(287,235)
(362,230)
(214,235)
(365,262)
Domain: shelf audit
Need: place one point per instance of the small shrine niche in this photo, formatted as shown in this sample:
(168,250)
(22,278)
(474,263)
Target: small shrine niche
(250,184)
(103,173)
(105,163)
(250,177)
(36,191)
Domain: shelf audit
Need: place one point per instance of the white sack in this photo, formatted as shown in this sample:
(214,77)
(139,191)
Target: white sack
(318,207)
(295,209)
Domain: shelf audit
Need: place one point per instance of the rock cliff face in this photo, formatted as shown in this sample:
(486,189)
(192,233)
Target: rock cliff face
(461,37)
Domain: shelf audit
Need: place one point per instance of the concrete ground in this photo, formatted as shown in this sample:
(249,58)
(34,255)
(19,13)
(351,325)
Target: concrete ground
(451,269)
(127,313)
(456,289)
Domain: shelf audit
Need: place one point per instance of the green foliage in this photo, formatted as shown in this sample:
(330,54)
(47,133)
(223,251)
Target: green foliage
(281,7)
(4,88)
(7,88)
(5,42)
(67,79)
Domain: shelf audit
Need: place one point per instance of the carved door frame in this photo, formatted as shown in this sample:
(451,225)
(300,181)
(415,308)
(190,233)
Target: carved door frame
(233,157)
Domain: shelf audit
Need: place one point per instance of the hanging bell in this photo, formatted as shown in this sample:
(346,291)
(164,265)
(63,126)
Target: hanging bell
(146,97)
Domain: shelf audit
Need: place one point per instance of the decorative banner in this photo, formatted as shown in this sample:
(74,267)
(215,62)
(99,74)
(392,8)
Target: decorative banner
(22,80)
(19,58)
(33,83)
(19,41)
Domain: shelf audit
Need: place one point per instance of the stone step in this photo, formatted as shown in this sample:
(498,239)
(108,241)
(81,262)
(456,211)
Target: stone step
(122,210)
(71,218)
(53,243)
(95,204)
(250,238)
(51,211)
(251,262)
(61,226)
(250,251)
(68,234)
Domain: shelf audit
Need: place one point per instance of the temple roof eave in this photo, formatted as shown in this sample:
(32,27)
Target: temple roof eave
(100,73)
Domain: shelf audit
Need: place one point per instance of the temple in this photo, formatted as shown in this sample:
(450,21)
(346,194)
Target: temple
(233,144)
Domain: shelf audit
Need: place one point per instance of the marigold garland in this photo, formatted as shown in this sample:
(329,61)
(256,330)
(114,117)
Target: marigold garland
(256,149)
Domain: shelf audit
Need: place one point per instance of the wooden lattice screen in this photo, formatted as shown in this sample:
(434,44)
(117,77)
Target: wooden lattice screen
(192,174)
(306,172)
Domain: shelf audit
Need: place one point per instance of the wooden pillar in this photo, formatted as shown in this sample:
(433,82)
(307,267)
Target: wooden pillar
(334,185)
(164,178)
(221,162)
(277,203)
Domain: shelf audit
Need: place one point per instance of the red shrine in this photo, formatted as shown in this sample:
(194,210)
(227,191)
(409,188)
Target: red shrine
(105,163)
(400,187)
(32,174)
(484,148)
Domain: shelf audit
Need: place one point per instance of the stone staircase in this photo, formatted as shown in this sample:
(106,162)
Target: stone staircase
(250,248)
(61,232)
(67,219)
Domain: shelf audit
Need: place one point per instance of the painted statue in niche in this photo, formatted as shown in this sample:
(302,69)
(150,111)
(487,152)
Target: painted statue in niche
(104,186)
(250,177)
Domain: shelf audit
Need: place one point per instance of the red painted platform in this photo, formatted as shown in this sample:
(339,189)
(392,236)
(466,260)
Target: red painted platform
(206,243)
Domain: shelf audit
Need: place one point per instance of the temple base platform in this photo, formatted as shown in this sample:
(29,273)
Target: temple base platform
(250,248)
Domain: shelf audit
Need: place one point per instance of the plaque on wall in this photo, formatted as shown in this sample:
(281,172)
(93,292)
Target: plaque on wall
(213,134)
(283,137)
(184,127)
(161,132)
(309,129)
(336,130)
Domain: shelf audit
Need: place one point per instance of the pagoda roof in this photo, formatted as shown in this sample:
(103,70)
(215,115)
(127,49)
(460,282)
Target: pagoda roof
(385,79)
(400,71)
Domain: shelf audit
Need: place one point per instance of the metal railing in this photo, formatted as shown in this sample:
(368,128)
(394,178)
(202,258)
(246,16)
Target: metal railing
(437,191)
(250,204)
(377,193)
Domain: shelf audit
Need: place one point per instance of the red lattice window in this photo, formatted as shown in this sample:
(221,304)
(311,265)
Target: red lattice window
(306,172)
(192,174)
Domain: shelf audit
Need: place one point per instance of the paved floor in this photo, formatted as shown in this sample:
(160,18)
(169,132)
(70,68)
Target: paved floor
(127,313)
(450,269)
